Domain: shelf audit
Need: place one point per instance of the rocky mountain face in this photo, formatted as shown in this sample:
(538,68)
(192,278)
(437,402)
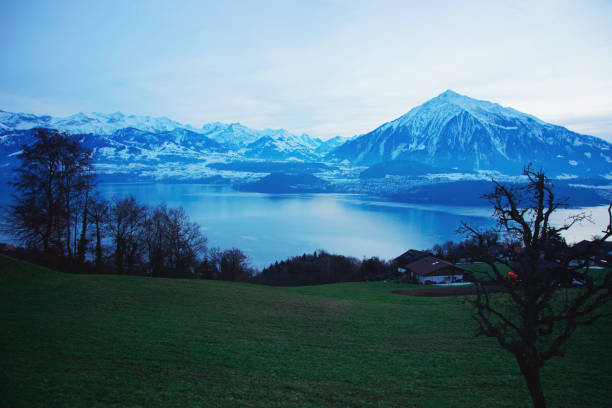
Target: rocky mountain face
(457,132)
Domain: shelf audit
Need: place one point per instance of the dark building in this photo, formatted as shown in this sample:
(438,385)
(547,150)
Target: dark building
(430,269)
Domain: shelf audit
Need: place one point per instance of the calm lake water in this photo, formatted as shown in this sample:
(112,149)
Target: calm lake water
(273,227)
(269,227)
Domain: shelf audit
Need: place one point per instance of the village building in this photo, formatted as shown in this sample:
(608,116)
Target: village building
(430,269)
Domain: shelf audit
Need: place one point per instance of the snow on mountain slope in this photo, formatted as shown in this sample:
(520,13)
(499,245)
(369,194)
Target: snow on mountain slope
(232,135)
(268,143)
(455,131)
(96,123)
(279,147)
(330,144)
(148,133)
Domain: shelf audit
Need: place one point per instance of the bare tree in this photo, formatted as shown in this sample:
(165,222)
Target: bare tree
(175,245)
(155,238)
(231,264)
(537,291)
(97,215)
(186,243)
(54,176)
(84,203)
(125,224)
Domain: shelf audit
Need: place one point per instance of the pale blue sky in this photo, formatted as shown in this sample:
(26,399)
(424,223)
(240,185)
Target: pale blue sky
(321,67)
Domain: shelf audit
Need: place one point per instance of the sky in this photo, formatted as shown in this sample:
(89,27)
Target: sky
(324,68)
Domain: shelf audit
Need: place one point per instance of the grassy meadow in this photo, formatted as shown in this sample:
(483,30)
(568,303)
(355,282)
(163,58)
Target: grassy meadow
(92,340)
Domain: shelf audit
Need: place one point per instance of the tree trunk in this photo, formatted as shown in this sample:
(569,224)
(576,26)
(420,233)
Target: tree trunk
(98,246)
(68,217)
(83,240)
(531,373)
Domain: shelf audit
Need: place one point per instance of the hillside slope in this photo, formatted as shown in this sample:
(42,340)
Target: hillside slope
(87,340)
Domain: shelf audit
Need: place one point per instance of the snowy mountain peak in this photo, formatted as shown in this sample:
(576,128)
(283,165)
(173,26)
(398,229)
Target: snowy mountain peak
(465,102)
(450,97)
(449,93)
(456,131)
(450,104)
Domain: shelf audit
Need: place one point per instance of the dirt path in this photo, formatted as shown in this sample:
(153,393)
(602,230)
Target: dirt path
(439,291)
(445,291)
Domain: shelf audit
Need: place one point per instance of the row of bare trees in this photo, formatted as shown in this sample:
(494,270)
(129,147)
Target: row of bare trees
(59,216)
(130,238)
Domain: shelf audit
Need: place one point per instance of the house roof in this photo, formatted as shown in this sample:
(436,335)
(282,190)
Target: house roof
(432,266)
(410,256)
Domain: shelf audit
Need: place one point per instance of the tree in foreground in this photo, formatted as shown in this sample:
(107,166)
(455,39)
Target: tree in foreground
(52,186)
(537,290)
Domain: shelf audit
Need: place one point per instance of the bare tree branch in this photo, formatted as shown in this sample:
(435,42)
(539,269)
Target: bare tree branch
(551,289)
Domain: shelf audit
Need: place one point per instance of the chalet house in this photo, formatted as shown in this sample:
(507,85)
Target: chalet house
(434,270)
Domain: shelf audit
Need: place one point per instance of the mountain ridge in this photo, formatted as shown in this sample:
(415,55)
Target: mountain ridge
(456,131)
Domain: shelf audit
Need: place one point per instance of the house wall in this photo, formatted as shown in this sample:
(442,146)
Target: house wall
(439,279)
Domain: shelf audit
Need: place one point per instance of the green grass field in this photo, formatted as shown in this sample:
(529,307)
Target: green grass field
(88,340)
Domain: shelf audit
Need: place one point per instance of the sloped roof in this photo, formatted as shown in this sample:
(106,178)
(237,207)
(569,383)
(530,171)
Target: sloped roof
(410,256)
(432,266)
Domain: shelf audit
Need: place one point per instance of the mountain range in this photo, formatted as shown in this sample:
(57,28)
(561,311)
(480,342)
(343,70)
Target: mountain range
(145,136)
(449,133)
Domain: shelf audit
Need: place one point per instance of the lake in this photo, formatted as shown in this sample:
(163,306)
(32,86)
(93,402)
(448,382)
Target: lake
(269,227)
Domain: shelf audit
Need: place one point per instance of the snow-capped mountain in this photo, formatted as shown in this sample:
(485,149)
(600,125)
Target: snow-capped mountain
(233,135)
(273,144)
(458,132)
(279,145)
(143,137)
(92,123)
(328,145)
